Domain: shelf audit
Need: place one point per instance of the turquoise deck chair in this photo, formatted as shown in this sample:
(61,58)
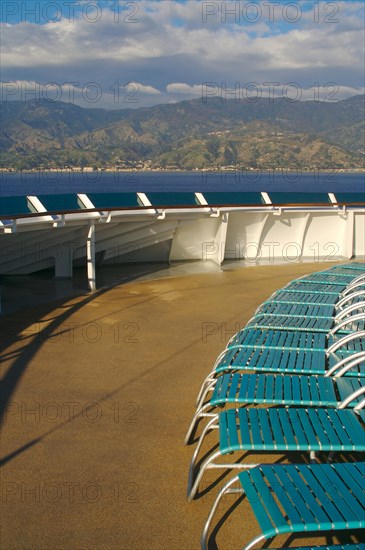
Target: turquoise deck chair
(283,321)
(276,389)
(316,299)
(316,287)
(279,429)
(295,498)
(322,311)
(345,269)
(315,294)
(284,389)
(337,276)
(308,310)
(290,339)
(288,352)
(302,292)
(304,297)
(326,277)
(279,313)
(353,265)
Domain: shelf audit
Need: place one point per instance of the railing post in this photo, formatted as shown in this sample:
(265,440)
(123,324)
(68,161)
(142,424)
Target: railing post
(90,257)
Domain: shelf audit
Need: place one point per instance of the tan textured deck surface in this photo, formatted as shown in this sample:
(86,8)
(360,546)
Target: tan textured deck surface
(100,392)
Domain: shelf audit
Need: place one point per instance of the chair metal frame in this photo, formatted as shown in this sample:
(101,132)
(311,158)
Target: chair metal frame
(214,424)
(306,490)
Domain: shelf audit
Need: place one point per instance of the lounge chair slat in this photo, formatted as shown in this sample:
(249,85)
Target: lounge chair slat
(276,428)
(224,383)
(246,433)
(267,434)
(302,488)
(319,486)
(252,424)
(291,500)
(252,385)
(223,433)
(268,395)
(355,481)
(327,435)
(313,386)
(303,437)
(308,429)
(287,430)
(345,507)
(288,387)
(234,388)
(304,389)
(232,430)
(351,498)
(260,388)
(244,386)
(271,520)
(350,422)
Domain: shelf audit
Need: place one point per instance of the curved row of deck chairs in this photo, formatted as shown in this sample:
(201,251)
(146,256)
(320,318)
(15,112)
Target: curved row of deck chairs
(301,358)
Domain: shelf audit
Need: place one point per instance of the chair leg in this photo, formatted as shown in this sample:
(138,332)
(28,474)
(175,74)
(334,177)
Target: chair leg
(204,393)
(193,488)
(212,425)
(209,463)
(222,492)
(209,379)
(200,413)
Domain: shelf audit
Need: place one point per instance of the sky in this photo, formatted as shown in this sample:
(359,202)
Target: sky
(129,54)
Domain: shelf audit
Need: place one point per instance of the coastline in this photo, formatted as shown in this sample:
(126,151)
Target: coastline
(197,170)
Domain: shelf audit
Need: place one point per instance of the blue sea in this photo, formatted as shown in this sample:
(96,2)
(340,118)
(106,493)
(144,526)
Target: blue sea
(40,183)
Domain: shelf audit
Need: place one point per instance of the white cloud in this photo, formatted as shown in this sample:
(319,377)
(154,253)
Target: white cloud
(186,89)
(144,89)
(168,47)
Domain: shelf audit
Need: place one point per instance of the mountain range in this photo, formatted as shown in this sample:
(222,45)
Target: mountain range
(265,134)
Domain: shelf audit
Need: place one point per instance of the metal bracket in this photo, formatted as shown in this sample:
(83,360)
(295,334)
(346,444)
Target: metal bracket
(215,214)
(162,215)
